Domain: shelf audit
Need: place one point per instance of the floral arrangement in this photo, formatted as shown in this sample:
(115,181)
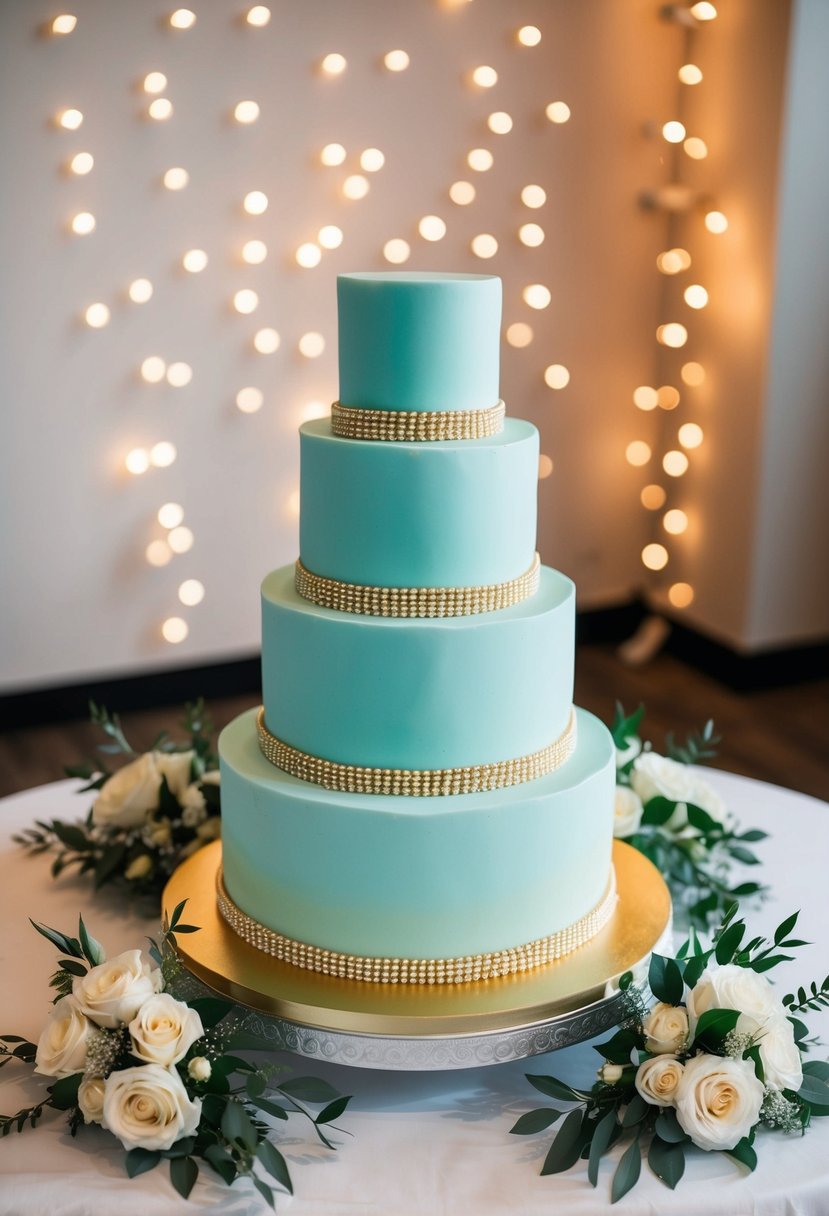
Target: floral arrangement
(672,815)
(718,1057)
(149,814)
(159,1073)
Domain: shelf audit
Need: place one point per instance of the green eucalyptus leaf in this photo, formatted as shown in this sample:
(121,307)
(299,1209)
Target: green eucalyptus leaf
(93,950)
(183,1175)
(71,835)
(64,1092)
(665,979)
(66,945)
(109,863)
(222,1162)
(814,1091)
(667,1160)
(237,1126)
(816,1068)
(270,1108)
(566,1148)
(667,1127)
(744,855)
(713,1026)
(694,969)
(744,1153)
(729,942)
(553,1088)
(139,1160)
(785,927)
(333,1110)
(627,1172)
(272,1160)
(535,1121)
(658,810)
(211,1010)
(264,1190)
(71,966)
(636,1110)
(600,1143)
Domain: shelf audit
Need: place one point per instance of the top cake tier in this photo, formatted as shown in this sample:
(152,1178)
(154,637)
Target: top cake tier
(418,341)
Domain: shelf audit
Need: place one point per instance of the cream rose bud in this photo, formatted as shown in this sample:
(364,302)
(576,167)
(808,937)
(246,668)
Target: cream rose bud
(176,767)
(611,1074)
(666,1028)
(127,798)
(112,993)
(627,811)
(91,1099)
(199,1069)
(657,1079)
(733,987)
(61,1048)
(780,1055)
(148,1107)
(718,1101)
(164,1030)
(139,867)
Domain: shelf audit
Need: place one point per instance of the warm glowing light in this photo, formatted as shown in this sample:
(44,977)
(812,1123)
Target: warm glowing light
(655,557)
(246,112)
(637,453)
(179,374)
(690,435)
(716,222)
(137,461)
(462,193)
(675,521)
(689,73)
(246,301)
(255,202)
(558,111)
(311,345)
(162,456)
(531,234)
(533,196)
(191,592)
(672,261)
(652,497)
(396,61)
(314,409)
(70,120)
(250,399)
(180,539)
(81,163)
(155,82)
(64,24)
(194,260)
(519,334)
(672,334)
(667,397)
(432,228)
(396,251)
(176,179)
(480,159)
(158,553)
(645,397)
(692,374)
(332,154)
(153,369)
(499,123)
(675,463)
(254,252)
(545,466)
(83,223)
(330,236)
(703,11)
(258,16)
(182,19)
(174,630)
(334,64)
(308,255)
(266,341)
(371,160)
(485,77)
(673,132)
(484,245)
(529,35)
(556,376)
(97,316)
(696,148)
(536,295)
(140,291)
(681,594)
(170,515)
(356,186)
(695,296)
(292,504)
(160,109)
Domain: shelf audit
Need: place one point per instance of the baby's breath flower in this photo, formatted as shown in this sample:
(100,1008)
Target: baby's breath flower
(778,1111)
(737,1044)
(104,1051)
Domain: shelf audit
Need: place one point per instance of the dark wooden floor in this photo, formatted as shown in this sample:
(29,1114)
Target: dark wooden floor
(780,735)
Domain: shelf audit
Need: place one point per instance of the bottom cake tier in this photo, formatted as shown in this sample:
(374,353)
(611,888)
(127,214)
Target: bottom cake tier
(416,878)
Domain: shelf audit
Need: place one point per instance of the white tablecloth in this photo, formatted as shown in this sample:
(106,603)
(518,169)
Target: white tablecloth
(423,1144)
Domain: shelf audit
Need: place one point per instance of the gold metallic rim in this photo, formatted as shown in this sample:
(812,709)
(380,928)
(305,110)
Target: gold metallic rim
(352,422)
(375,970)
(417,782)
(365,600)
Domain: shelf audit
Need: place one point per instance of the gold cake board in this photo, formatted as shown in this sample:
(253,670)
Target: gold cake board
(429,1026)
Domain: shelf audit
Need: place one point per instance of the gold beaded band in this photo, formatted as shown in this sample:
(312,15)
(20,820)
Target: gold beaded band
(418,970)
(351,422)
(416,782)
(415,601)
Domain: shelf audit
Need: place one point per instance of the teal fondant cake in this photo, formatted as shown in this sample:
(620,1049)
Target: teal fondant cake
(417,800)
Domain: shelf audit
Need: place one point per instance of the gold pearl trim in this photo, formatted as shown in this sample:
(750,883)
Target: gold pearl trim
(417,782)
(351,422)
(366,600)
(418,970)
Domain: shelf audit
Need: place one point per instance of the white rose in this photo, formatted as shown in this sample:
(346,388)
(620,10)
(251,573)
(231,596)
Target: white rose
(148,1107)
(658,776)
(627,811)
(718,1101)
(780,1055)
(112,993)
(199,1068)
(164,1030)
(733,987)
(129,795)
(61,1048)
(193,806)
(657,1079)
(91,1099)
(666,1028)
(175,766)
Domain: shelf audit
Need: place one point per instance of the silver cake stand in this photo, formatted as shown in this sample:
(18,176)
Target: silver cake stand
(429,1026)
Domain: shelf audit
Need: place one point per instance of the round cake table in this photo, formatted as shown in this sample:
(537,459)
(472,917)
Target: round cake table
(421,1142)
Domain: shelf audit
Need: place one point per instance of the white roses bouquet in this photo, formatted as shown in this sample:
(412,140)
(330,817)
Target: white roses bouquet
(717,1057)
(667,811)
(156,1071)
(149,815)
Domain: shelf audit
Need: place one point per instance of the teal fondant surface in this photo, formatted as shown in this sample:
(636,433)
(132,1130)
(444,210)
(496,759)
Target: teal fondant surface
(450,514)
(414,692)
(419,341)
(416,877)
